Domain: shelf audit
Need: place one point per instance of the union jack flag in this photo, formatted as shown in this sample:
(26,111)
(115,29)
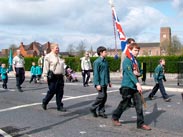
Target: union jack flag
(123,39)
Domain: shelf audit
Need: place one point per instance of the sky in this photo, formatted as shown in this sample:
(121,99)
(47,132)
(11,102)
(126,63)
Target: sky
(69,22)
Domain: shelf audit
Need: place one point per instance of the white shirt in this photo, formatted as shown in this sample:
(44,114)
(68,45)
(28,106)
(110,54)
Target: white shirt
(18,61)
(85,63)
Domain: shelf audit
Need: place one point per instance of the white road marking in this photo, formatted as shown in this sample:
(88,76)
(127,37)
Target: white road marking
(134,117)
(82,132)
(102,126)
(64,96)
(7,89)
(64,99)
(4,134)
(178,89)
(147,112)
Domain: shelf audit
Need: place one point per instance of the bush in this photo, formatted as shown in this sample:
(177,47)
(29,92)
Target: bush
(151,62)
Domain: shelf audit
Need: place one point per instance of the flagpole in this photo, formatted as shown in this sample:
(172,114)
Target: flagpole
(112,6)
(116,53)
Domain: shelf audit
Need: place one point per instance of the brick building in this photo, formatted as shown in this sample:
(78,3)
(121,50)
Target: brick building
(153,49)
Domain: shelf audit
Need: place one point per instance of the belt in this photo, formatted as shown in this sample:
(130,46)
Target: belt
(58,75)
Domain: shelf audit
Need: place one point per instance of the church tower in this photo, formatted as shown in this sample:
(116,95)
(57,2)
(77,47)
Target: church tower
(165,39)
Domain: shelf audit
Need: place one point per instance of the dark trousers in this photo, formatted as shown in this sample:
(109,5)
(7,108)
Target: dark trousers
(86,79)
(56,86)
(38,77)
(160,86)
(5,81)
(33,77)
(127,95)
(100,100)
(20,77)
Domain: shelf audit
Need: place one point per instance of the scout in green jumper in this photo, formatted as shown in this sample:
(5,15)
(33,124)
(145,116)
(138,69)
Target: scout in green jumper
(101,80)
(4,75)
(158,77)
(33,73)
(130,89)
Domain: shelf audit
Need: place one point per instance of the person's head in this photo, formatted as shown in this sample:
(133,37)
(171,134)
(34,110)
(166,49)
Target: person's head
(54,48)
(162,62)
(134,48)
(18,52)
(33,63)
(130,40)
(102,51)
(86,54)
(3,65)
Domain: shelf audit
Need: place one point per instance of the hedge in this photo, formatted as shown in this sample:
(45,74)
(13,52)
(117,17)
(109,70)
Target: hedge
(151,62)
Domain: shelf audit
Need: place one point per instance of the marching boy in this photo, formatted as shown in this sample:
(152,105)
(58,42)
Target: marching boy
(4,75)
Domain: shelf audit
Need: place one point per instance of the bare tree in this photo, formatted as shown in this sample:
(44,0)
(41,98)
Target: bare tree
(70,49)
(177,47)
(81,48)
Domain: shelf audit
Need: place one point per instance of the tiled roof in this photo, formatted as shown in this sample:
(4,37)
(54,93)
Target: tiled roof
(156,44)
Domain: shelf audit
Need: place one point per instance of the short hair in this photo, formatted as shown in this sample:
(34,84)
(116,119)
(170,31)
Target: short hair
(133,45)
(161,60)
(52,45)
(129,40)
(100,49)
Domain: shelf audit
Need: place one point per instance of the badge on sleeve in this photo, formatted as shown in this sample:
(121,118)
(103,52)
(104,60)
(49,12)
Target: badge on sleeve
(129,68)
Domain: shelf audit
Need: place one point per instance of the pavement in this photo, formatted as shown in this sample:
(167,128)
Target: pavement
(172,84)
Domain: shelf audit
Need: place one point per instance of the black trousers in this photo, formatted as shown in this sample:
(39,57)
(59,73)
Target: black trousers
(127,95)
(33,77)
(56,86)
(100,101)
(5,81)
(160,86)
(86,79)
(20,77)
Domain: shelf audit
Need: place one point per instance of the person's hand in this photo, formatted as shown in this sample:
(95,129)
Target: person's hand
(46,79)
(136,73)
(14,73)
(98,87)
(110,85)
(164,79)
(139,88)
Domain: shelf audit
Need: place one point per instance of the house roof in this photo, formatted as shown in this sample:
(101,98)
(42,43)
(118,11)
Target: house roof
(143,45)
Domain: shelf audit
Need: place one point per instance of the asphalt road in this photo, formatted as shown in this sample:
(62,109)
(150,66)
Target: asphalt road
(21,114)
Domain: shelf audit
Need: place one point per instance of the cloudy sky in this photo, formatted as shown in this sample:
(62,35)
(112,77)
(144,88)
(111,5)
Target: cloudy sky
(72,21)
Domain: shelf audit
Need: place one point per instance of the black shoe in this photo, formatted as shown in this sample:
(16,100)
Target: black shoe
(167,99)
(44,106)
(151,98)
(93,112)
(19,90)
(86,85)
(103,115)
(62,109)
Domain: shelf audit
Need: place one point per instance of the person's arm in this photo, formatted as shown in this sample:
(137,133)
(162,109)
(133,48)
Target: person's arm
(96,78)
(156,74)
(90,64)
(23,63)
(82,64)
(46,67)
(13,66)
